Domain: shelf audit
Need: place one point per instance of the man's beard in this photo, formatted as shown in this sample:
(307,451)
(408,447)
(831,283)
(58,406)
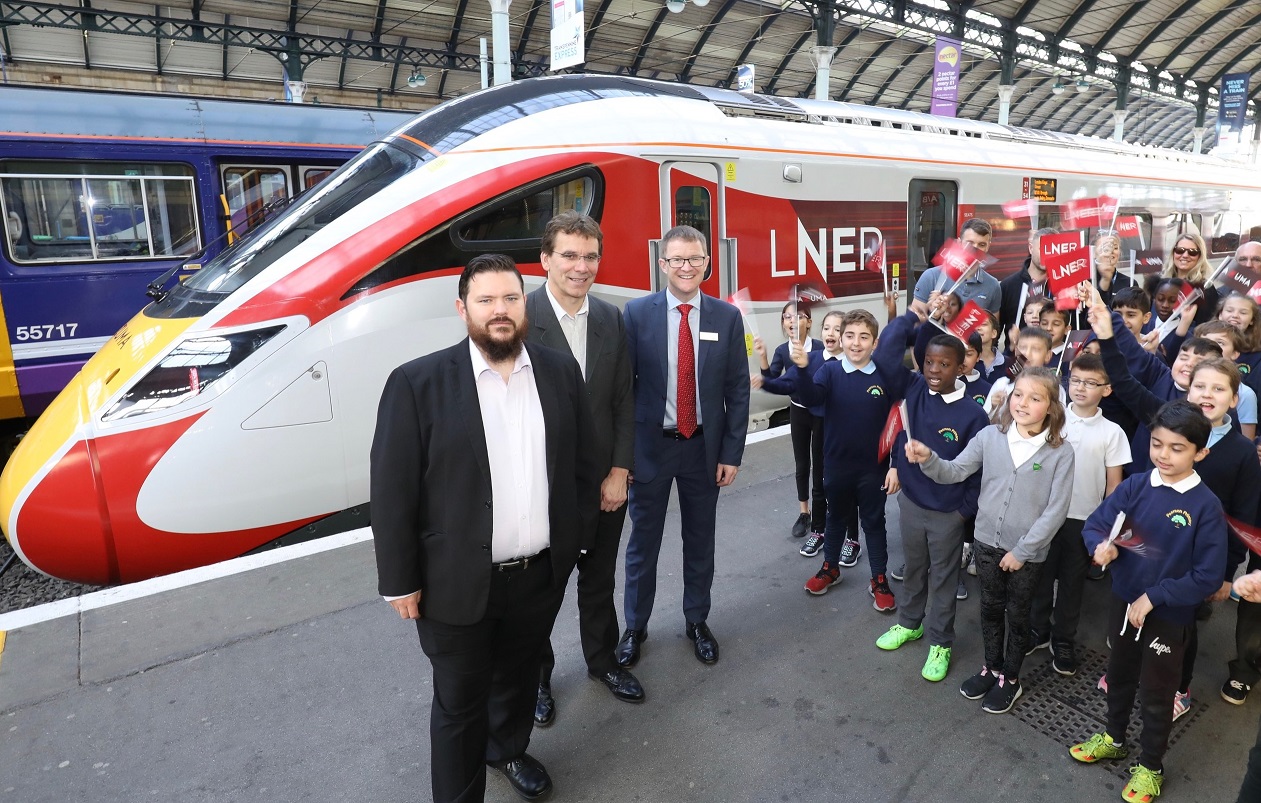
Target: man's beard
(497,350)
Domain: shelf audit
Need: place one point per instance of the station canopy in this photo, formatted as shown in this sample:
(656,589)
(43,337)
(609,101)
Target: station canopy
(1071,61)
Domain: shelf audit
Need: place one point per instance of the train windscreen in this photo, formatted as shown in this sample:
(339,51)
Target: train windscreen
(361,178)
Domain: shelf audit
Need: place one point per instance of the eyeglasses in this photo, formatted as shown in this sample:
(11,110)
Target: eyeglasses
(1195,252)
(804,315)
(573,258)
(678,262)
(1089,384)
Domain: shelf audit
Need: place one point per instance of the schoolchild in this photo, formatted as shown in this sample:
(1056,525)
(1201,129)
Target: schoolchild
(1231,341)
(1026,486)
(1100,449)
(1057,323)
(1033,350)
(853,393)
(932,514)
(1155,594)
(1229,469)
(991,358)
(1241,312)
(805,429)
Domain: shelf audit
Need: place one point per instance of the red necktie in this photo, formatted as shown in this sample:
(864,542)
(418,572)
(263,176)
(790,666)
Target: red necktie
(685,408)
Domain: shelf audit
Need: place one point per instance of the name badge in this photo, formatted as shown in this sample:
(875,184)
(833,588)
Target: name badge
(709,336)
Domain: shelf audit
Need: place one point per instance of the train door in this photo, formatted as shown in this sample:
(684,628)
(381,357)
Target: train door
(932,218)
(694,194)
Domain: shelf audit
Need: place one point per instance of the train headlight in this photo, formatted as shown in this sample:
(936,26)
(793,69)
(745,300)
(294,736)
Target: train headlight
(193,365)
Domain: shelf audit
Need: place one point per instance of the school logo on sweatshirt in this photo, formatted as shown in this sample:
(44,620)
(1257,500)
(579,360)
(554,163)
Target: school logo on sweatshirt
(948,435)
(979,399)
(1179,518)
(1244,368)
(875,390)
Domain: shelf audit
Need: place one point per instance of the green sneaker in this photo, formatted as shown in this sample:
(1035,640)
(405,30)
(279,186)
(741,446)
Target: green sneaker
(1097,747)
(1144,785)
(938,663)
(898,635)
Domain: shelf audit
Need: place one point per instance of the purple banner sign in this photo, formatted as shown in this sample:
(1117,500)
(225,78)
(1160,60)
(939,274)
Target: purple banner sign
(946,77)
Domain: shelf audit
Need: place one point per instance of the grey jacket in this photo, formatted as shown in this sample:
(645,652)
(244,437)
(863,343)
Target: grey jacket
(1020,509)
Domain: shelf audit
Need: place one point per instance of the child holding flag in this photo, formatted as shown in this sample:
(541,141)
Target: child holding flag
(1026,485)
(1182,531)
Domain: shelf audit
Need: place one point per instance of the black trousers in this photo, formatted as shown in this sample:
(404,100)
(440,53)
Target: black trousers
(1067,562)
(1149,664)
(597,615)
(806,431)
(1246,667)
(485,680)
(1005,600)
(1250,791)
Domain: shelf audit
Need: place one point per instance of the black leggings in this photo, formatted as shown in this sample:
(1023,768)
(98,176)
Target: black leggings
(806,431)
(1006,600)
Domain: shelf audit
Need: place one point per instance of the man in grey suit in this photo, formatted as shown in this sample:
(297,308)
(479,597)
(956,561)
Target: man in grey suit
(565,317)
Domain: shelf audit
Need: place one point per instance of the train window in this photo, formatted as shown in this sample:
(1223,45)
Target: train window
(1222,231)
(64,211)
(250,191)
(523,216)
(511,224)
(692,208)
(314,175)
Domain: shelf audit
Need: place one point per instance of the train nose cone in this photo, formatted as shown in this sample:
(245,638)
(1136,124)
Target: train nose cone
(51,508)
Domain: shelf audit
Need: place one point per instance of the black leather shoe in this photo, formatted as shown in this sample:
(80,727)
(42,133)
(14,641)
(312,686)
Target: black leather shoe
(622,683)
(627,652)
(528,777)
(545,706)
(704,642)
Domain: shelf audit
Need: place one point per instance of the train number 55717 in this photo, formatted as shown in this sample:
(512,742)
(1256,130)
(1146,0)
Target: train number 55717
(47,331)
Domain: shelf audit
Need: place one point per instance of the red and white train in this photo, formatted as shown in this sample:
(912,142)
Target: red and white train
(239,409)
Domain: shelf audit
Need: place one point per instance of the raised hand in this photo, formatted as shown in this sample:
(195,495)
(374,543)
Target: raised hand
(917,452)
(798,355)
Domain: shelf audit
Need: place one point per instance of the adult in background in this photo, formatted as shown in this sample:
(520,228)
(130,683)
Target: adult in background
(565,317)
(1016,289)
(483,492)
(980,287)
(691,416)
(1188,261)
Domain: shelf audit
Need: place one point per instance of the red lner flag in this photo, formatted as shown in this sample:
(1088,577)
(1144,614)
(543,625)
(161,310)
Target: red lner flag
(956,258)
(1067,265)
(967,321)
(1086,213)
(1024,208)
(1250,535)
(1128,228)
(1241,280)
(895,423)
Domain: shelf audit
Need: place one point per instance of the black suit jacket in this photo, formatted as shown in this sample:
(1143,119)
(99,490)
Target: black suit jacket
(608,372)
(430,479)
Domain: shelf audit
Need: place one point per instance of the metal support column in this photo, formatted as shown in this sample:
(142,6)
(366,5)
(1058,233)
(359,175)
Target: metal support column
(499,40)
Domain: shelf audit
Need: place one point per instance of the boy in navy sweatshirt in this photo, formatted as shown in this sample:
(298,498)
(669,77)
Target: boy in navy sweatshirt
(941,415)
(1156,587)
(853,393)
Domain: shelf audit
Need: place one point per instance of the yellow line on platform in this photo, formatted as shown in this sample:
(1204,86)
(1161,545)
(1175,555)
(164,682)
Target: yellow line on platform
(2,635)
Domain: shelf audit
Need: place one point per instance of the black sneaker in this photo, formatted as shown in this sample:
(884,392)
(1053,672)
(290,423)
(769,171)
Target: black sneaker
(961,591)
(899,573)
(1037,641)
(801,526)
(850,550)
(976,687)
(812,545)
(1000,698)
(1235,692)
(1064,659)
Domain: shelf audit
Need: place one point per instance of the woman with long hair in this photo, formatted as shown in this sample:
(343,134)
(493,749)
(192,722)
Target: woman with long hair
(1188,261)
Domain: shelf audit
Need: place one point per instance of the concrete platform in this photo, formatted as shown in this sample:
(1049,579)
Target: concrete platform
(295,682)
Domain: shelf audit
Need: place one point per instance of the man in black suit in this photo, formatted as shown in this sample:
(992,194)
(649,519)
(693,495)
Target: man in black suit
(482,497)
(691,371)
(565,317)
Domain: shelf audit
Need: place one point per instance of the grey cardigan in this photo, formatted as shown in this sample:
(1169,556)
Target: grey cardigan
(1019,509)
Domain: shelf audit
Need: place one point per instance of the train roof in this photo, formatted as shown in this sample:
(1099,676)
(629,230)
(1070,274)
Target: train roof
(27,111)
(451,124)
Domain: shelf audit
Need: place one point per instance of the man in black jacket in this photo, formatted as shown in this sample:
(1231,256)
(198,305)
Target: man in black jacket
(484,490)
(1017,288)
(564,316)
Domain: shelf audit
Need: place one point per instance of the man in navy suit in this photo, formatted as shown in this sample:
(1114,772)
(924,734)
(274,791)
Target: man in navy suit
(688,356)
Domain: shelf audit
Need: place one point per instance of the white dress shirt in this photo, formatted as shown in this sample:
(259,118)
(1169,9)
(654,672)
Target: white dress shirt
(574,327)
(1023,449)
(1181,486)
(516,445)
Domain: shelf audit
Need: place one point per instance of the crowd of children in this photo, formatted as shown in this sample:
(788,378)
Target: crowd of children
(1040,466)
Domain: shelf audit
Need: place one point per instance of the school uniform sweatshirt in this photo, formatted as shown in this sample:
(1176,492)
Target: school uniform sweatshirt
(854,403)
(781,364)
(945,423)
(1020,508)
(1183,530)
